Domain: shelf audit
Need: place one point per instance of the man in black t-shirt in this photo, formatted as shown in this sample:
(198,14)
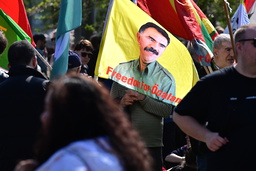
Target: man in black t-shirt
(220,109)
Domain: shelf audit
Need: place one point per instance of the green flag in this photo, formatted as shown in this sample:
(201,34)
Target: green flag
(70,17)
(12,32)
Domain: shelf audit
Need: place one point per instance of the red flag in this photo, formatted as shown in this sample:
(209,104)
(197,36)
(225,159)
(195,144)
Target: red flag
(16,10)
(185,19)
(248,4)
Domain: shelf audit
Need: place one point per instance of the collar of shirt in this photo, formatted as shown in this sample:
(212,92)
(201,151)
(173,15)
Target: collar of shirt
(148,70)
(214,65)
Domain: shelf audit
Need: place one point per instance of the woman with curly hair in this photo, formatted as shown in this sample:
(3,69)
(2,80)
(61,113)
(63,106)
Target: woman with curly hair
(84,129)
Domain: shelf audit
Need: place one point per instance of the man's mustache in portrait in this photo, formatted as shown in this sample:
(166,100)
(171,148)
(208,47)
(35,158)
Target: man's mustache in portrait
(151,50)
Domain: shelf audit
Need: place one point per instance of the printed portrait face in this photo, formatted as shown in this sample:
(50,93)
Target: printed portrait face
(152,45)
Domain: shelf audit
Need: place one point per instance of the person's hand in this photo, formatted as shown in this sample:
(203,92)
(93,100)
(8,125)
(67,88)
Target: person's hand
(128,98)
(84,75)
(26,165)
(131,96)
(214,142)
(138,96)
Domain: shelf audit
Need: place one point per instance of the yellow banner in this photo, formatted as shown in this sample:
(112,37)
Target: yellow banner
(119,44)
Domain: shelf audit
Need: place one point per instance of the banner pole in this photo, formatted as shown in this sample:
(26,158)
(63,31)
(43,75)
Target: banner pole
(229,27)
(40,56)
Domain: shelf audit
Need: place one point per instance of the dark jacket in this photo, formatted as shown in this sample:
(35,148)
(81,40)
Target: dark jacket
(22,101)
(202,72)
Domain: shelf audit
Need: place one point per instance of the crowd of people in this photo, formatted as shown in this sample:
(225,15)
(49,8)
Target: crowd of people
(73,122)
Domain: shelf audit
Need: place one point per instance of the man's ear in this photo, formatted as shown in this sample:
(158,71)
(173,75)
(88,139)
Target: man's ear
(34,62)
(215,52)
(238,46)
(138,37)
(78,70)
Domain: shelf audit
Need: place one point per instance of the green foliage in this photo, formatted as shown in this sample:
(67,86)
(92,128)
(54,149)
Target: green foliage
(89,27)
(47,11)
(215,12)
(94,13)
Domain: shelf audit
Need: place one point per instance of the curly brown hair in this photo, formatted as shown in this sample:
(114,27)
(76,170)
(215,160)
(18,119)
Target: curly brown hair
(82,109)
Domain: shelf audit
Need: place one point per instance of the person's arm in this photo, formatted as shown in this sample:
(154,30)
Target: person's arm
(122,95)
(194,129)
(149,104)
(156,107)
(117,92)
(177,156)
(26,165)
(129,98)
(174,158)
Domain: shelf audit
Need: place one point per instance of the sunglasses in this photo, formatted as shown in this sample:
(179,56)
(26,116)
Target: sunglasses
(84,54)
(254,41)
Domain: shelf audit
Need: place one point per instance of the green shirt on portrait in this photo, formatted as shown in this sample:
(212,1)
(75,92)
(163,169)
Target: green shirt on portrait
(155,81)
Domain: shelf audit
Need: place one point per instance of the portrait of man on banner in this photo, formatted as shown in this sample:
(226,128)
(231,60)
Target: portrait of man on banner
(145,74)
(120,45)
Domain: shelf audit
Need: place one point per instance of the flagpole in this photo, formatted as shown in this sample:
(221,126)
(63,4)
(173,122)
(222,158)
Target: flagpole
(40,56)
(107,15)
(206,70)
(96,78)
(229,28)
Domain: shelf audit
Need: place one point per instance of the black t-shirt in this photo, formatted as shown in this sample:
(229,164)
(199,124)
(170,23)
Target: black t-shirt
(227,101)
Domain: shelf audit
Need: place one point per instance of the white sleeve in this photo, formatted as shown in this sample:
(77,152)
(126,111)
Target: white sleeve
(62,161)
